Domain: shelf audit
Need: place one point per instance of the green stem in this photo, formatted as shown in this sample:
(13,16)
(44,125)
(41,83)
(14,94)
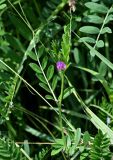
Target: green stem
(25,154)
(60,105)
(104,22)
(63,156)
(107,54)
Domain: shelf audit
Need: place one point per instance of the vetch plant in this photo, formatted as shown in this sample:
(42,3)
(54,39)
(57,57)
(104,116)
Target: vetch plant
(55,90)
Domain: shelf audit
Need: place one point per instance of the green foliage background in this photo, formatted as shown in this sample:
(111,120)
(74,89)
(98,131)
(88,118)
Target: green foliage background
(46,114)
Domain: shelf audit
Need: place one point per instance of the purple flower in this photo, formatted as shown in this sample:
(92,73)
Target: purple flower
(60,65)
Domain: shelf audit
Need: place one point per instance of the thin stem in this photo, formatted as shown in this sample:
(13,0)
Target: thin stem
(44,74)
(25,154)
(60,105)
(28,25)
(36,117)
(70,24)
(104,22)
(63,155)
(37,143)
(107,54)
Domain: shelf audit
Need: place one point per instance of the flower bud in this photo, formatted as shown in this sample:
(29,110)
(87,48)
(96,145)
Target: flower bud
(60,65)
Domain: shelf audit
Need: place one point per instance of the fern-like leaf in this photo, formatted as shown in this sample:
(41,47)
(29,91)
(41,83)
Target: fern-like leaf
(42,154)
(100,148)
(9,150)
